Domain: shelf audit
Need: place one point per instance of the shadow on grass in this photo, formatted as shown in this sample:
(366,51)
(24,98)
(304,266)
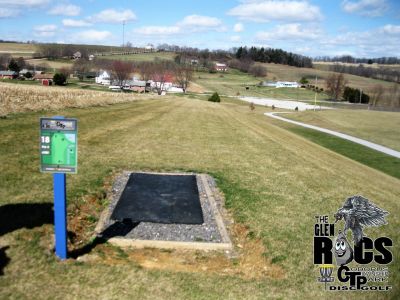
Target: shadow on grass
(4,259)
(22,215)
(117,229)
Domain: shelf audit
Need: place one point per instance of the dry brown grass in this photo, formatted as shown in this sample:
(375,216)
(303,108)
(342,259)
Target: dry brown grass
(17,98)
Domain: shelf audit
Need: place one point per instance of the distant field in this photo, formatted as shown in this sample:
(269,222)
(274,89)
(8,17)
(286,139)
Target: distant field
(142,56)
(234,83)
(325,65)
(378,127)
(55,64)
(17,48)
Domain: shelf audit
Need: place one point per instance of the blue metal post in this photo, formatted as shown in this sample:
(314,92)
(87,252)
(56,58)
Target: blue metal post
(60,214)
(60,211)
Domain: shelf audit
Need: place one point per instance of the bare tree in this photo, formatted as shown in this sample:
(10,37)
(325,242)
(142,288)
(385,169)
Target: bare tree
(376,94)
(161,72)
(335,84)
(146,70)
(81,67)
(183,75)
(394,95)
(121,71)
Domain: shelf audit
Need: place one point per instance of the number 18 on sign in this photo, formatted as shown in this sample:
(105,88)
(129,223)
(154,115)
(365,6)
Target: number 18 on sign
(59,155)
(58,145)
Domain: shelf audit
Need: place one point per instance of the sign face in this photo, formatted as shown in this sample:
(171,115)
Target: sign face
(58,145)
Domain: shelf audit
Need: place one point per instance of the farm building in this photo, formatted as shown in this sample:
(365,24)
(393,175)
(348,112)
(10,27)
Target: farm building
(103,78)
(281,84)
(45,79)
(289,84)
(8,74)
(221,67)
(77,55)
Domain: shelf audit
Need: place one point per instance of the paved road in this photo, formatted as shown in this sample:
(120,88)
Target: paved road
(365,143)
(286,104)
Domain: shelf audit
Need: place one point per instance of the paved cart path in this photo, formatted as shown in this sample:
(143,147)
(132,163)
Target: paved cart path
(365,143)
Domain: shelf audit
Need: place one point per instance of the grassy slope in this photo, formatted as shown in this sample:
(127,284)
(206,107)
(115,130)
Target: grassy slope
(274,181)
(234,82)
(378,127)
(143,56)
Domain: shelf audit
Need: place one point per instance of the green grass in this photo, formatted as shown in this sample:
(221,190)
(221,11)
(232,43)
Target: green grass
(235,82)
(274,182)
(375,126)
(369,157)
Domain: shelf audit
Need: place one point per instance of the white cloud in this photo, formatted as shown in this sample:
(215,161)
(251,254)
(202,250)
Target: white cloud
(368,8)
(8,13)
(65,10)
(294,31)
(47,30)
(270,10)
(113,16)
(158,30)
(238,27)
(382,41)
(24,3)
(235,38)
(75,23)
(391,29)
(200,21)
(92,36)
(189,24)
(43,28)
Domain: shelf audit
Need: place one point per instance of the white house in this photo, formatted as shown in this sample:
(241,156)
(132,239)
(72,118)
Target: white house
(287,84)
(103,78)
(149,47)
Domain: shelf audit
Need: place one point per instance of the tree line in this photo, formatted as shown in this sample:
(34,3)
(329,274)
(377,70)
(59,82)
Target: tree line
(270,55)
(355,60)
(382,73)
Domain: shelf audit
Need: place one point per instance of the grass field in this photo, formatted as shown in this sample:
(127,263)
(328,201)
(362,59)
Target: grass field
(234,83)
(274,182)
(142,56)
(378,127)
(18,49)
(22,97)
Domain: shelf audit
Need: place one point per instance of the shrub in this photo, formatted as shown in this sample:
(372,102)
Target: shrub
(258,71)
(214,98)
(28,75)
(59,79)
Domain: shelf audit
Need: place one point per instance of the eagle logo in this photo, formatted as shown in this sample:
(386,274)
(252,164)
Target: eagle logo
(358,212)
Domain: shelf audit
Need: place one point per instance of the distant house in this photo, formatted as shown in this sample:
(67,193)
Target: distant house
(281,84)
(45,79)
(139,86)
(194,62)
(287,84)
(149,47)
(91,57)
(221,67)
(8,74)
(77,55)
(103,78)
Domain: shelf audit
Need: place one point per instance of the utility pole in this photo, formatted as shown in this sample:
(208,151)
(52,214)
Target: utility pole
(123,34)
(360,95)
(315,96)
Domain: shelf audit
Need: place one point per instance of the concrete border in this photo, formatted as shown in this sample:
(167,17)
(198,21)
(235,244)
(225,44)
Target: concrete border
(226,244)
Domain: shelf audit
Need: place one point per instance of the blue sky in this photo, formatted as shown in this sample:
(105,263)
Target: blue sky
(362,28)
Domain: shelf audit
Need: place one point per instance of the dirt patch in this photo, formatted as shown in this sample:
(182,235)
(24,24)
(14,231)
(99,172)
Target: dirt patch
(249,262)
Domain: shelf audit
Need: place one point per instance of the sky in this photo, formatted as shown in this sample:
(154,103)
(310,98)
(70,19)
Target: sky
(361,28)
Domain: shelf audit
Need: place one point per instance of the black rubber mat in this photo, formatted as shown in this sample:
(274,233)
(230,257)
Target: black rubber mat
(160,198)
